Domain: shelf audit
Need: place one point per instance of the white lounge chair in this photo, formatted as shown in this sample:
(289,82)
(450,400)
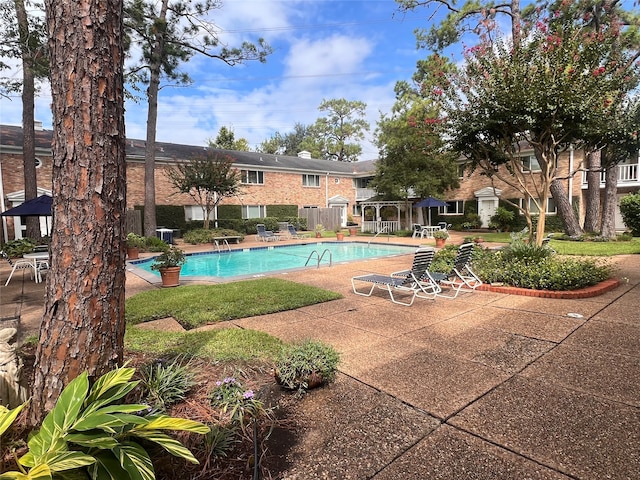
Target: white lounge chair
(461,278)
(416,282)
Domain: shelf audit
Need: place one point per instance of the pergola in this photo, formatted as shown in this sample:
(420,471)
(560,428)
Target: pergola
(378,224)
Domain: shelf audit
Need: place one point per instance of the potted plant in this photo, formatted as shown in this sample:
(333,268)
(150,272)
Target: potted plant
(134,244)
(441,237)
(169,263)
(306,365)
(339,233)
(319,229)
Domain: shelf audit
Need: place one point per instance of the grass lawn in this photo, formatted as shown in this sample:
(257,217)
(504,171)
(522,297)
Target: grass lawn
(566,247)
(197,305)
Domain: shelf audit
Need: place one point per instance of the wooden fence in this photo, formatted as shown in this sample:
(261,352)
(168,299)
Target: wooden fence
(329,218)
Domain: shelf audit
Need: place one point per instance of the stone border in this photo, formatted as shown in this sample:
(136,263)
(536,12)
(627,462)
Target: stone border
(592,291)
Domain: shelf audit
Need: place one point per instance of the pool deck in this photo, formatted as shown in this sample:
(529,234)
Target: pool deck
(485,386)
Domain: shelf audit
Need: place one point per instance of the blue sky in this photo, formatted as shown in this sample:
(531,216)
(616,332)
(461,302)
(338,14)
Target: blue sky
(323,49)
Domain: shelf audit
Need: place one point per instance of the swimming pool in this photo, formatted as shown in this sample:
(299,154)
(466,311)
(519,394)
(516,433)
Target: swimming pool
(261,260)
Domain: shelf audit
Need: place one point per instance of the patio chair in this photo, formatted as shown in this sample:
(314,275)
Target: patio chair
(417,231)
(461,278)
(22,264)
(293,233)
(265,235)
(416,282)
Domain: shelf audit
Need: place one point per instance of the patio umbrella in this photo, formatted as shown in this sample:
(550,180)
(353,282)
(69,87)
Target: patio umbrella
(430,202)
(37,207)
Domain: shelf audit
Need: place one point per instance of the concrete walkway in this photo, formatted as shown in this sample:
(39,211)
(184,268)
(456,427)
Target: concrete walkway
(485,386)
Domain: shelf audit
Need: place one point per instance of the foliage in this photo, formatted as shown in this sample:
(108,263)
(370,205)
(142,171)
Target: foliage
(208,180)
(503,219)
(226,141)
(88,430)
(319,228)
(155,244)
(287,144)
(442,234)
(237,403)
(17,248)
(299,362)
(165,384)
(197,305)
(329,136)
(171,257)
(630,210)
(135,241)
(199,236)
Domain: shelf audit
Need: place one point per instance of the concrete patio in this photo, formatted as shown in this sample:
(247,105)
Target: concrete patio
(485,386)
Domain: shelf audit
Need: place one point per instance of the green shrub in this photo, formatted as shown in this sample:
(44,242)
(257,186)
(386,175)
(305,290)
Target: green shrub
(17,248)
(88,434)
(301,365)
(528,253)
(155,244)
(198,236)
(238,403)
(503,219)
(166,384)
(630,211)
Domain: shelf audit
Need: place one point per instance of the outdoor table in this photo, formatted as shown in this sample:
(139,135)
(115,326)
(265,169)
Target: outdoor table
(36,257)
(428,231)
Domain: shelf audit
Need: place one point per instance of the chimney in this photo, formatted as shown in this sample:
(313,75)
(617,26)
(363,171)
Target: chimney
(304,154)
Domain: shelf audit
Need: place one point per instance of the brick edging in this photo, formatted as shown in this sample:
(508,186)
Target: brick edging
(592,291)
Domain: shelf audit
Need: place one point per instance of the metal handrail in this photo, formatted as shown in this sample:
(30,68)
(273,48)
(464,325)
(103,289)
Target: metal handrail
(386,227)
(224,240)
(320,257)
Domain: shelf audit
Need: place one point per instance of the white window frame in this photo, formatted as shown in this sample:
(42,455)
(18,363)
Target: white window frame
(250,211)
(528,161)
(306,180)
(552,209)
(252,177)
(459,210)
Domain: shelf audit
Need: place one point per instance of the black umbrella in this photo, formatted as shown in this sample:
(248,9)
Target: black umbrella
(37,207)
(430,202)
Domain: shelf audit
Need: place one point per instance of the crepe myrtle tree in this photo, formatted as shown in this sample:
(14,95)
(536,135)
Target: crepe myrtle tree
(208,180)
(542,95)
(170,33)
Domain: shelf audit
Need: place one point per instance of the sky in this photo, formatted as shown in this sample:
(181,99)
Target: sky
(323,49)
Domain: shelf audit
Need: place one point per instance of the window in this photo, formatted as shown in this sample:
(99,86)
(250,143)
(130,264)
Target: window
(310,180)
(361,182)
(461,168)
(254,211)
(530,163)
(533,208)
(252,177)
(454,207)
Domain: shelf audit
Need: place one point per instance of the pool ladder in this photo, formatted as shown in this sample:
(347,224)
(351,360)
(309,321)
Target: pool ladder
(320,257)
(384,229)
(224,243)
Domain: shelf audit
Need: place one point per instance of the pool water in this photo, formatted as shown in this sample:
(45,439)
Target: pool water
(262,260)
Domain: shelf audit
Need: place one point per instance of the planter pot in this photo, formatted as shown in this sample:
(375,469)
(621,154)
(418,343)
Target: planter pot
(133,253)
(353,232)
(170,276)
(340,236)
(313,380)
(440,242)
(318,235)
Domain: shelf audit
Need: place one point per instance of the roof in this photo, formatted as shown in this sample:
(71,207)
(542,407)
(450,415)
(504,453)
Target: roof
(11,139)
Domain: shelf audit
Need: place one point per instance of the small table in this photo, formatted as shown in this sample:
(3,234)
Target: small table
(37,257)
(428,231)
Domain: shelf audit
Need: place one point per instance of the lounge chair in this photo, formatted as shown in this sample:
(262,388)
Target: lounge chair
(265,235)
(417,230)
(36,268)
(416,282)
(461,278)
(292,232)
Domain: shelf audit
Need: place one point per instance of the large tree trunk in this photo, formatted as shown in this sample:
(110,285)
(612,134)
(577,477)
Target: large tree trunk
(592,201)
(565,210)
(28,94)
(157,55)
(610,203)
(83,324)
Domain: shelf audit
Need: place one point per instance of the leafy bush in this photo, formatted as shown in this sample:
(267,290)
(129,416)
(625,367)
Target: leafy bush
(89,435)
(154,244)
(503,219)
(164,385)
(528,253)
(17,248)
(201,235)
(630,210)
(301,365)
(236,402)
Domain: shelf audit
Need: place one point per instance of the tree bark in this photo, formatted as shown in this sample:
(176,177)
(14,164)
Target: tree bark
(592,201)
(157,55)
(28,128)
(565,209)
(83,322)
(610,203)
